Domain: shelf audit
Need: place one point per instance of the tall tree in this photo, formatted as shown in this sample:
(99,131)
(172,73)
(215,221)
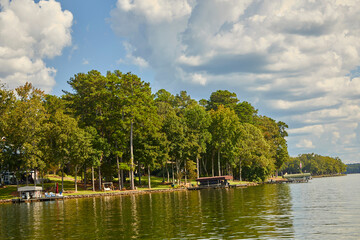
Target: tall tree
(222,97)
(198,122)
(275,134)
(251,152)
(246,112)
(223,129)
(91,102)
(138,104)
(23,129)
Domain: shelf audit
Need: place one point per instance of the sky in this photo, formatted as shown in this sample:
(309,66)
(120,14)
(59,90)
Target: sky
(295,61)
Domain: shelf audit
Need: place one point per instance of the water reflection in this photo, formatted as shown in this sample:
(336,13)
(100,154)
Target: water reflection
(256,212)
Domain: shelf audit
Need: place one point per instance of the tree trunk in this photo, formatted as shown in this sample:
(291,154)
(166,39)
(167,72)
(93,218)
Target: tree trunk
(219,162)
(42,180)
(100,179)
(118,171)
(149,179)
(132,183)
(93,178)
(197,167)
(76,178)
(240,178)
(34,176)
(139,173)
(167,170)
(62,179)
(173,176)
(212,164)
(204,167)
(17,180)
(85,179)
(122,175)
(185,173)
(177,171)
(163,173)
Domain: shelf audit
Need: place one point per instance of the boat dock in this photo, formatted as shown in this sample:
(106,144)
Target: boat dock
(33,194)
(297,178)
(41,199)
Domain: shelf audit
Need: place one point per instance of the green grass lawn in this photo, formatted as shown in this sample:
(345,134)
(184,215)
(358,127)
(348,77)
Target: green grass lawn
(5,192)
(9,192)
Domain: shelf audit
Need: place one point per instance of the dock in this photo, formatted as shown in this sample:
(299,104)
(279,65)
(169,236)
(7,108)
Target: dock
(41,199)
(297,178)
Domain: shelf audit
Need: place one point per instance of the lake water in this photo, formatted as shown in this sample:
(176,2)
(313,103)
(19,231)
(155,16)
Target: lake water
(325,208)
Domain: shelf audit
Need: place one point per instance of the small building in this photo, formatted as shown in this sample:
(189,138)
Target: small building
(218,181)
(30,192)
(7,178)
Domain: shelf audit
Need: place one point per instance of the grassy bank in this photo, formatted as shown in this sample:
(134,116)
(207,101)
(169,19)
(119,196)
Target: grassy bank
(10,191)
(328,175)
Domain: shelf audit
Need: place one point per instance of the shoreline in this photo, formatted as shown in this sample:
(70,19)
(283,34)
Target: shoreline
(112,193)
(147,191)
(328,175)
(125,193)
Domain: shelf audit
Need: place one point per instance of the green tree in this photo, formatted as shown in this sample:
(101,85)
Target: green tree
(275,134)
(198,122)
(246,112)
(222,97)
(223,129)
(22,126)
(138,102)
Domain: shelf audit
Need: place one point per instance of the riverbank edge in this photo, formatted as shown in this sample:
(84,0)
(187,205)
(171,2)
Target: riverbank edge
(328,175)
(117,193)
(125,193)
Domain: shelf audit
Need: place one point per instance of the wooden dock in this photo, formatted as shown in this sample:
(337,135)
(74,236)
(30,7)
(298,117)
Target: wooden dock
(218,186)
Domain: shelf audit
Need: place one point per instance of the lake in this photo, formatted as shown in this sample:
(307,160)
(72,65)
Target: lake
(324,208)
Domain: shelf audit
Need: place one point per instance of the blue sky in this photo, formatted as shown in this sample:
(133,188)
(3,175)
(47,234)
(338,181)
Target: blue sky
(295,61)
(94,44)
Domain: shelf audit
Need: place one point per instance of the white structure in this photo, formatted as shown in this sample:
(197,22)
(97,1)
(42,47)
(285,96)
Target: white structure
(30,192)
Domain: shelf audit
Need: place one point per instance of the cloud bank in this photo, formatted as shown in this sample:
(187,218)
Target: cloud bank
(296,60)
(29,33)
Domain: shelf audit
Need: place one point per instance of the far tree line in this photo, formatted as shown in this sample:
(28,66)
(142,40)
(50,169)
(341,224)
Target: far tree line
(314,164)
(113,126)
(353,168)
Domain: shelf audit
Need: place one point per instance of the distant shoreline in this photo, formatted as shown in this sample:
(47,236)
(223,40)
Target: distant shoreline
(124,193)
(328,175)
(112,193)
(147,191)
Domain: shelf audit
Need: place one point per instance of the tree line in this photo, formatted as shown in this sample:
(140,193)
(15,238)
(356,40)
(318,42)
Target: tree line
(113,126)
(314,164)
(353,168)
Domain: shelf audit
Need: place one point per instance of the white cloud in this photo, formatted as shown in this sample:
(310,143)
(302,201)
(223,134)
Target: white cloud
(85,62)
(29,33)
(305,143)
(314,129)
(131,59)
(292,58)
(156,11)
(198,78)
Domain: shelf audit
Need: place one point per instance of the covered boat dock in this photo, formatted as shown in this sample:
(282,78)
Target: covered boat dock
(213,182)
(299,177)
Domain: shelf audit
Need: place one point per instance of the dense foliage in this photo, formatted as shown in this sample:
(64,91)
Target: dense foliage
(353,168)
(113,126)
(314,164)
